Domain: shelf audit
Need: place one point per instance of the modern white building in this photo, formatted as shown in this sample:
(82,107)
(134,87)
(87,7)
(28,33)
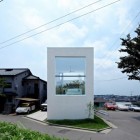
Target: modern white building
(70,82)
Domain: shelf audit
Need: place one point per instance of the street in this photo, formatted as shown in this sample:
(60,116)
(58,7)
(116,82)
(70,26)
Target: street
(128,124)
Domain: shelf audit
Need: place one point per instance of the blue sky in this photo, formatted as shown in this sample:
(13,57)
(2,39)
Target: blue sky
(101,30)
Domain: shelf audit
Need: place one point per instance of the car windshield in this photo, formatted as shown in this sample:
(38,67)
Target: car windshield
(24,105)
(44,105)
(109,104)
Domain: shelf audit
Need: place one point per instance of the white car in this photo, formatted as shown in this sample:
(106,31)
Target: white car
(134,108)
(44,106)
(122,107)
(25,108)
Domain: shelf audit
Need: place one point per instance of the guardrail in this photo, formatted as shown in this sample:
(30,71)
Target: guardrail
(102,113)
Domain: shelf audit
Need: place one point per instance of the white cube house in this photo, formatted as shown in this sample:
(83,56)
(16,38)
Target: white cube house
(69,82)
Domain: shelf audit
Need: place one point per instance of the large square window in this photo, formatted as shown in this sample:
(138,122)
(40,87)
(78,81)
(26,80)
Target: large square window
(70,75)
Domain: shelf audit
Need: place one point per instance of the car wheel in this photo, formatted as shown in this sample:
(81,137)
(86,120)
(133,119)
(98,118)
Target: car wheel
(28,111)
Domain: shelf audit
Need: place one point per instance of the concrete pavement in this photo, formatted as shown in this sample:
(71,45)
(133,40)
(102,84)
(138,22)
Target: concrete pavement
(42,116)
(128,124)
(39,115)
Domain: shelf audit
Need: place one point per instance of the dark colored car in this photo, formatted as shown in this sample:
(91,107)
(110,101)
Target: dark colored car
(110,106)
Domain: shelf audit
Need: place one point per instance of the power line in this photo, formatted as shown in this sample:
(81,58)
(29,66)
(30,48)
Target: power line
(111,79)
(59,24)
(115,49)
(50,22)
(130,23)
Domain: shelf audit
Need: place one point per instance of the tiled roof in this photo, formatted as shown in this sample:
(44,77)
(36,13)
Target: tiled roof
(101,100)
(12,72)
(32,77)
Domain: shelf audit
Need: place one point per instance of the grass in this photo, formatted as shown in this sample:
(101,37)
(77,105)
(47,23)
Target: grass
(95,124)
(9,131)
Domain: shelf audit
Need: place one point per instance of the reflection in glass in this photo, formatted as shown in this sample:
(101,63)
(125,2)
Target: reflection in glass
(70,75)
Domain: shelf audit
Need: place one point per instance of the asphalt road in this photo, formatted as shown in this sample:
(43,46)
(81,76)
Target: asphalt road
(128,124)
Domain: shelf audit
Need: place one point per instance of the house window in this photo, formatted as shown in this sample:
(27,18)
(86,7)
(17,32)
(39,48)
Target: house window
(8,85)
(44,86)
(70,75)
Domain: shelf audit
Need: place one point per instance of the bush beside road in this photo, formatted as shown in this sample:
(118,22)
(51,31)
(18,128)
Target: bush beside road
(9,131)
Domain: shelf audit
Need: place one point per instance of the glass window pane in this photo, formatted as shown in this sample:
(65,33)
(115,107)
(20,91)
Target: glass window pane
(70,75)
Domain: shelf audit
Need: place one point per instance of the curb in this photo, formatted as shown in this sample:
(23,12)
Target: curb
(111,125)
(35,119)
(77,128)
(95,130)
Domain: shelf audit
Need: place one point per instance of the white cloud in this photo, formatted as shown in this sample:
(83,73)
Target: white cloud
(97,30)
(105,64)
(64,3)
(31,18)
(71,5)
(73,31)
(100,46)
(65,35)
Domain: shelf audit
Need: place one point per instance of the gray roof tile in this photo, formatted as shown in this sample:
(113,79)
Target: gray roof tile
(32,77)
(12,72)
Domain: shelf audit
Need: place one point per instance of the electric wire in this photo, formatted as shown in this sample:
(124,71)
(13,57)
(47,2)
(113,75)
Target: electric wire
(109,80)
(60,24)
(107,55)
(50,22)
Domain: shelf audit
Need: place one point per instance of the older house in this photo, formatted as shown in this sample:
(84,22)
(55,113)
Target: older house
(19,82)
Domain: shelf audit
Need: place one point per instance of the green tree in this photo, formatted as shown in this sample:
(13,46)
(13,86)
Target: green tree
(131,62)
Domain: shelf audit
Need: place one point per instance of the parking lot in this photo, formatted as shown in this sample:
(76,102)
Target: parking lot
(126,121)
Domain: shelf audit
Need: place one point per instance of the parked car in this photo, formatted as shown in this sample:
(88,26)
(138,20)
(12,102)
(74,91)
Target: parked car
(44,106)
(134,108)
(110,106)
(25,108)
(122,107)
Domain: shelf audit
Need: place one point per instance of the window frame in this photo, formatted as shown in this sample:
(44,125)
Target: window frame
(75,76)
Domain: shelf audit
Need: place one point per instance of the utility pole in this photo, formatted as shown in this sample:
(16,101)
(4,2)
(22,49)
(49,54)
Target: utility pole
(131,96)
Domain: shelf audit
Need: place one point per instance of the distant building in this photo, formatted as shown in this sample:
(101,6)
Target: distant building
(99,102)
(20,83)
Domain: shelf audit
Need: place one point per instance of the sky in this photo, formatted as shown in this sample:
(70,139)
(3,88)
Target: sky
(87,24)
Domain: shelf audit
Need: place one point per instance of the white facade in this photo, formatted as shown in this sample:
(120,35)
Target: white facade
(69,106)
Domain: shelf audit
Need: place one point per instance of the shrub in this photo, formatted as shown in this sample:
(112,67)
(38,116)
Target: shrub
(9,131)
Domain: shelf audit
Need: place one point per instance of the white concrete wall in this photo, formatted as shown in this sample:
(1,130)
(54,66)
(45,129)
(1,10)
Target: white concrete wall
(69,106)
